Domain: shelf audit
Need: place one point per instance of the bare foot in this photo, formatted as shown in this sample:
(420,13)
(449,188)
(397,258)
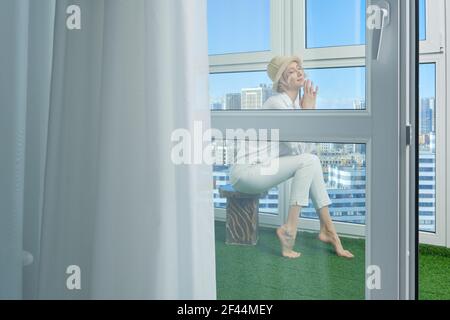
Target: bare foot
(333,239)
(287,243)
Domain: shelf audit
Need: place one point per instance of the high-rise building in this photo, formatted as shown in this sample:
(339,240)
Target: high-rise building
(267,92)
(426,121)
(251,98)
(347,191)
(433,114)
(254,98)
(233,101)
(427,191)
(216,106)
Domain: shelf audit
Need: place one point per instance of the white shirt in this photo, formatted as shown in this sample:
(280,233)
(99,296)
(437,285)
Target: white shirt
(281,101)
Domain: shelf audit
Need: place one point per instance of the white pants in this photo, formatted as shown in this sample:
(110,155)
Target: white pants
(305,169)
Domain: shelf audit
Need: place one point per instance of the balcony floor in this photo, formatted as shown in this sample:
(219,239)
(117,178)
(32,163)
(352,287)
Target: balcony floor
(259,272)
(434,273)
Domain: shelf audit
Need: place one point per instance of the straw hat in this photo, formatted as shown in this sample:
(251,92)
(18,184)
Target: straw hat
(277,66)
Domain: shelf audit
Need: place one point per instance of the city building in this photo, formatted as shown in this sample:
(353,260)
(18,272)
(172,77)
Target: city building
(233,101)
(254,98)
(427,191)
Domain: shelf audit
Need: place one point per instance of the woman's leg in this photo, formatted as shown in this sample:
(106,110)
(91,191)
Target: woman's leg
(288,232)
(301,168)
(321,202)
(300,189)
(328,233)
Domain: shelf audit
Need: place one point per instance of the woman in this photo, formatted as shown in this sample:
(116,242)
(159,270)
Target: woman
(293,161)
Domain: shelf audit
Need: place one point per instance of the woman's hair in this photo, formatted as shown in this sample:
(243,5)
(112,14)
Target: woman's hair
(283,84)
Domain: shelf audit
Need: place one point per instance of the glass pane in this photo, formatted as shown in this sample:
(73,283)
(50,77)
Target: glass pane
(339,89)
(236,91)
(238,26)
(346,19)
(320,273)
(422,20)
(344,170)
(427,147)
(224,152)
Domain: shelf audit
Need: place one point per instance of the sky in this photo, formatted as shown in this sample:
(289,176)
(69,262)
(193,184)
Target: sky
(243,26)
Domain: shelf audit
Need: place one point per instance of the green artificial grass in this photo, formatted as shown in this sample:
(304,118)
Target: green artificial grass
(434,273)
(260,272)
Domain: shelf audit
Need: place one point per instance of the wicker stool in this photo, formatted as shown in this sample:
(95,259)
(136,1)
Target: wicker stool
(242,216)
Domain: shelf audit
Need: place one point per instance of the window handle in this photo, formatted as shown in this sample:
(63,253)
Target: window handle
(378,19)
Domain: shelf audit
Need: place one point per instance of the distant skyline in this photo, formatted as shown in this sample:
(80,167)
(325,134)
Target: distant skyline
(337,84)
(230,31)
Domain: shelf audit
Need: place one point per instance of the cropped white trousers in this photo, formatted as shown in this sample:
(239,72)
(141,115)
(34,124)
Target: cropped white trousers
(305,169)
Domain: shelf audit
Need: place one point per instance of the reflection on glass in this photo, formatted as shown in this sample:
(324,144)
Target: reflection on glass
(422,20)
(339,89)
(335,23)
(427,147)
(238,26)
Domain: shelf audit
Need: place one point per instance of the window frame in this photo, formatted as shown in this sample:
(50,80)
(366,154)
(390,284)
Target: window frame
(288,37)
(447,119)
(439,237)
(432,50)
(435,27)
(326,53)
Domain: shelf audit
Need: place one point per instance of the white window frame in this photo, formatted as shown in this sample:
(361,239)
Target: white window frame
(285,30)
(327,53)
(288,36)
(447,117)
(435,27)
(439,237)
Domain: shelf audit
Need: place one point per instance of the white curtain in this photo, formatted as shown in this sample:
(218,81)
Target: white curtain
(86,119)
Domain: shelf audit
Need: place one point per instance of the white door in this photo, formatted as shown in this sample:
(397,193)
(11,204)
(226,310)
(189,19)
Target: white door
(363,57)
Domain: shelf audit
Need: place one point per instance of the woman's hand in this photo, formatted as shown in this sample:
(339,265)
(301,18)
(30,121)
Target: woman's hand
(308,101)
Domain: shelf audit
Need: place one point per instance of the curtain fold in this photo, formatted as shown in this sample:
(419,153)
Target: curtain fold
(112,202)
(13,93)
